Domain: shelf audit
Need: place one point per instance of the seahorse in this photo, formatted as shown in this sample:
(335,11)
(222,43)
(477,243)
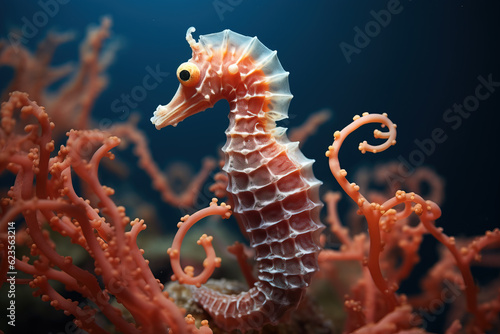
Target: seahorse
(272,188)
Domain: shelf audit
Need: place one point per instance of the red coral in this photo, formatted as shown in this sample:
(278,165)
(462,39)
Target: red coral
(390,233)
(43,193)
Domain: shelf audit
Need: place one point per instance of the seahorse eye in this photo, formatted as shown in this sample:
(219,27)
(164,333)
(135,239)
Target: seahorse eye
(184,75)
(188,74)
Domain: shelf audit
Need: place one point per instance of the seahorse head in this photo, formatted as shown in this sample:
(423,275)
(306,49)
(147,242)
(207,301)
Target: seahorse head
(199,88)
(226,65)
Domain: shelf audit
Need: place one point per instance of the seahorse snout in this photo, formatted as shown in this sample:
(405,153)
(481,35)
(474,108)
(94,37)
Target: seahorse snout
(186,102)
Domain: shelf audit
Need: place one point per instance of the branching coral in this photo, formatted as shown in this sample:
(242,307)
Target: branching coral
(44,194)
(211,261)
(72,103)
(389,232)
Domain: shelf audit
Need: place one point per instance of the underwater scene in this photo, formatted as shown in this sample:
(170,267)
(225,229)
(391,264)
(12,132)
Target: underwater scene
(326,166)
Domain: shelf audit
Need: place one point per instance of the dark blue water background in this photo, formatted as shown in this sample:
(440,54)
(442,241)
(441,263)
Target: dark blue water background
(425,60)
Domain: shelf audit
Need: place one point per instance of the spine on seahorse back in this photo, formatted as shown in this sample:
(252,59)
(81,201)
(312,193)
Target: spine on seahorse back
(274,192)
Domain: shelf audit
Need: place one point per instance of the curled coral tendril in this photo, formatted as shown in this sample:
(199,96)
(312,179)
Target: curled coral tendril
(186,276)
(371,212)
(381,216)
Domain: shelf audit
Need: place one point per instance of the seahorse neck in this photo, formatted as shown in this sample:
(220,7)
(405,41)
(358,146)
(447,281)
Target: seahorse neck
(248,118)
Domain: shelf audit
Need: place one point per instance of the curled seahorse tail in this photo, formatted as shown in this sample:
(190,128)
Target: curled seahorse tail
(252,309)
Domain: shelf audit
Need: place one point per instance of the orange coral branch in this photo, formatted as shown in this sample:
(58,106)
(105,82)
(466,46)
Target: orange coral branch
(309,127)
(370,211)
(331,198)
(188,197)
(238,250)
(211,261)
(384,222)
(124,271)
